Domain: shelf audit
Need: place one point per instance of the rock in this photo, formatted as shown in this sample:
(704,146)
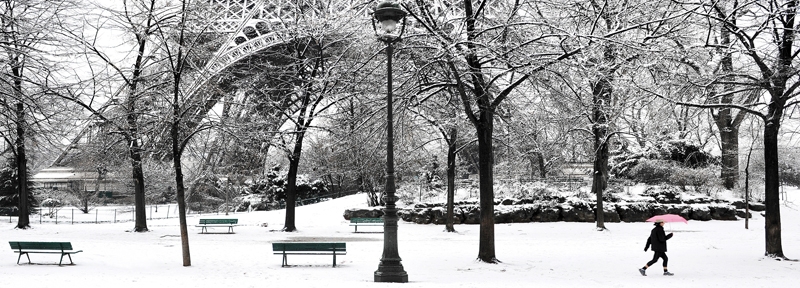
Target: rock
(702,213)
(508,201)
(405,214)
(739,204)
(376,212)
(439,215)
(466,203)
(684,211)
(723,212)
(422,216)
(743,214)
(636,212)
(758,207)
(526,201)
(577,212)
(546,214)
(699,200)
(610,214)
(502,215)
(523,213)
(658,209)
(472,214)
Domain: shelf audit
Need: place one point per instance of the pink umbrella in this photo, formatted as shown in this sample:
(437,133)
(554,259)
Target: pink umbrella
(667,218)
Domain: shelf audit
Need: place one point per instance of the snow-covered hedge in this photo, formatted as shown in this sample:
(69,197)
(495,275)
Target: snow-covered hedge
(653,201)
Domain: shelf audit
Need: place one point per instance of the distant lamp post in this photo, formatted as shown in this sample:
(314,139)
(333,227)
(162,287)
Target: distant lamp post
(388,15)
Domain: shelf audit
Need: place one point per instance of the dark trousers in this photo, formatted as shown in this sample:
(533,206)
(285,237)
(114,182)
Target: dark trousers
(656,255)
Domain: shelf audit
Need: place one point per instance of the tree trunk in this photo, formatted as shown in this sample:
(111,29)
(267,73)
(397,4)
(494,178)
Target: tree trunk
(727,124)
(601,94)
(540,161)
(23,222)
(451,178)
(486,251)
(132,133)
(291,183)
(772,218)
(180,192)
(729,140)
(138,186)
(177,153)
(180,195)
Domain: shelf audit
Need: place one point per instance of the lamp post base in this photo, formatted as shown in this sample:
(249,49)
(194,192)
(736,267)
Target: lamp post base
(391,274)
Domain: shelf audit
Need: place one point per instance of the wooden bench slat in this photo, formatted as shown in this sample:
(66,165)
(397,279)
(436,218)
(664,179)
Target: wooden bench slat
(365,222)
(218,221)
(41,245)
(305,246)
(309,248)
(222,222)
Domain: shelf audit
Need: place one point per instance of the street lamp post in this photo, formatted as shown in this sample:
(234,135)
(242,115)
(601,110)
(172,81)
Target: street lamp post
(388,14)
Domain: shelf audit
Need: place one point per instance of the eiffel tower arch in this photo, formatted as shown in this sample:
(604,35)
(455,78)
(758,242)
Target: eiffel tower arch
(250,28)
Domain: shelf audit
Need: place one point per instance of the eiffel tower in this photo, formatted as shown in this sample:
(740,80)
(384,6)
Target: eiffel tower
(250,27)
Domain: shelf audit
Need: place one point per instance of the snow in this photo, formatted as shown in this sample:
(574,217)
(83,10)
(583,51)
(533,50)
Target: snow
(560,254)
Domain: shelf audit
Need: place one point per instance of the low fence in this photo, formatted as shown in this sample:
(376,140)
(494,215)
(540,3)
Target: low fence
(118,214)
(105,214)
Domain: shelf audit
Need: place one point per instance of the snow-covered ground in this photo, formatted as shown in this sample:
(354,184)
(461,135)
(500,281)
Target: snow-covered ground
(702,254)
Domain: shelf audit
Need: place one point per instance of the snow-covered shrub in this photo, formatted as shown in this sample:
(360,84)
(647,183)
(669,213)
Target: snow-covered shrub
(703,180)
(677,152)
(652,171)
(407,194)
(271,190)
(531,190)
(53,200)
(790,175)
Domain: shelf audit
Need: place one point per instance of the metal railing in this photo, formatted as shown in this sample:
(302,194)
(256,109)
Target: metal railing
(119,214)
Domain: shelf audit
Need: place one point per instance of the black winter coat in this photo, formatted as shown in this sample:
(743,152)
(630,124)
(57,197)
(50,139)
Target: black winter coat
(658,239)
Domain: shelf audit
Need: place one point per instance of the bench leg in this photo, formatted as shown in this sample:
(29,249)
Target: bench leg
(62,259)
(26,255)
(284,263)
(230,229)
(356,228)
(334,258)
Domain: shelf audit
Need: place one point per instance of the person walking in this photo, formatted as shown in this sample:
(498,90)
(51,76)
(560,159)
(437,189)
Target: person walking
(658,241)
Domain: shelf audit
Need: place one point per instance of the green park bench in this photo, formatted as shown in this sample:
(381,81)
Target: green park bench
(63,248)
(303,248)
(205,223)
(366,222)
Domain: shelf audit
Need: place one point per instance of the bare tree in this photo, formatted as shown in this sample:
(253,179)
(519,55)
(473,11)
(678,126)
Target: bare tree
(448,129)
(319,44)
(765,36)
(134,19)
(180,46)
(27,75)
(472,40)
(618,25)
(81,197)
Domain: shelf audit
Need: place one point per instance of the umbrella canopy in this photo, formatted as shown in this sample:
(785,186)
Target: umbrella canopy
(667,218)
